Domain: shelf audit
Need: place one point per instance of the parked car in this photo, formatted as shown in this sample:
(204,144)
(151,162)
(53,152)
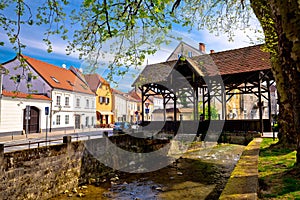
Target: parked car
(121,127)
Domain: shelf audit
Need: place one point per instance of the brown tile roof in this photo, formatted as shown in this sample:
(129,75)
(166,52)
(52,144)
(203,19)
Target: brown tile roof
(94,80)
(138,96)
(235,61)
(155,73)
(117,91)
(243,60)
(58,77)
(24,95)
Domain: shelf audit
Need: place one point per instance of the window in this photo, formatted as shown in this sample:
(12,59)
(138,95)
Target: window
(67,101)
(190,54)
(101,99)
(179,55)
(67,119)
(29,77)
(87,103)
(77,102)
(18,78)
(92,122)
(54,79)
(57,119)
(107,100)
(70,83)
(86,121)
(58,100)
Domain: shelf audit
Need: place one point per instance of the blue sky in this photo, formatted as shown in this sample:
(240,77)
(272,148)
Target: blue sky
(32,37)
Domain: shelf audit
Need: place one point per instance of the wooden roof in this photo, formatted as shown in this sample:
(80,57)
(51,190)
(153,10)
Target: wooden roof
(232,63)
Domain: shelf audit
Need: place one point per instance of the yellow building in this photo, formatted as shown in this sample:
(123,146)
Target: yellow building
(103,99)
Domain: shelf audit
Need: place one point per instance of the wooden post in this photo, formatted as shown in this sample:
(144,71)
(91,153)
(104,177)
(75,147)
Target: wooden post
(224,101)
(175,109)
(164,102)
(260,104)
(203,103)
(269,101)
(196,104)
(67,139)
(143,109)
(1,158)
(208,103)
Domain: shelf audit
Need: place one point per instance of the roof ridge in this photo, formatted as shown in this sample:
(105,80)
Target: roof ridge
(248,47)
(44,62)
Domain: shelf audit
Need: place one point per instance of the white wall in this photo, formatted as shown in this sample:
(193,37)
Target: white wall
(120,107)
(12,113)
(84,110)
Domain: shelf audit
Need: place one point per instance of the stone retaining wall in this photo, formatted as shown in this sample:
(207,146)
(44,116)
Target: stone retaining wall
(44,172)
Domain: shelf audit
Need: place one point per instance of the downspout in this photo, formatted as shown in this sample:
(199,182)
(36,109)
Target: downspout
(51,111)
(1,85)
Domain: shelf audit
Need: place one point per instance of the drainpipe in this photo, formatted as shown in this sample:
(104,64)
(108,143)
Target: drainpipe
(1,84)
(51,111)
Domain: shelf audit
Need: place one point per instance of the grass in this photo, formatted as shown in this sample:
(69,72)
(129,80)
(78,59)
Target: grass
(278,178)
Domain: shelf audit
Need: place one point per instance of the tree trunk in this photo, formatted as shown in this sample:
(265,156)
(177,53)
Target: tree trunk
(280,20)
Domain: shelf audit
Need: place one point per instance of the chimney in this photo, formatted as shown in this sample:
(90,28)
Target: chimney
(202,47)
(212,51)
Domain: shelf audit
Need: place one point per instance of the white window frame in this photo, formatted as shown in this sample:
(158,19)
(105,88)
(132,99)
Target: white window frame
(67,119)
(57,119)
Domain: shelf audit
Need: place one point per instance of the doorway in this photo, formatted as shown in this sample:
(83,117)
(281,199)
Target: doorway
(33,121)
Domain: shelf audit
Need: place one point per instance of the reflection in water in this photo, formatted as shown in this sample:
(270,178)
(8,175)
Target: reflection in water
(200,174)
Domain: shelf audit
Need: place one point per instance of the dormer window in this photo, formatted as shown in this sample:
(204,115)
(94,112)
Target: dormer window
(54,79)
(70,83)
(83,86)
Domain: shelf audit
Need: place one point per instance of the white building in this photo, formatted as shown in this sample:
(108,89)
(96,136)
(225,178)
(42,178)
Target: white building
(119,106)
(13,120)
(73,103)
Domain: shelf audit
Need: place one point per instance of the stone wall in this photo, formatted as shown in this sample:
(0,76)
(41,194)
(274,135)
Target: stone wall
(44,172)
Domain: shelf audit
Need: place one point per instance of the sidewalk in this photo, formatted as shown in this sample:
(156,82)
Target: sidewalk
(243,182)
(4,139)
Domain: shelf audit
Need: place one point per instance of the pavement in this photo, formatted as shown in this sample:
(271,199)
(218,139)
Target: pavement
(19,142)
(243,181)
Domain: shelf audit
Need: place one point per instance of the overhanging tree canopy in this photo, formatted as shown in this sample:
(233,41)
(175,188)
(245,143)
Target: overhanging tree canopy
(141,25)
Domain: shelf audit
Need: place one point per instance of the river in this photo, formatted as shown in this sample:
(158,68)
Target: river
(201,173)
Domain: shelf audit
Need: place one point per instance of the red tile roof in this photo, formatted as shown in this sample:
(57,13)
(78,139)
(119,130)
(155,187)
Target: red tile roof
(94,80)
(24,95)
(58,77)
(138,96)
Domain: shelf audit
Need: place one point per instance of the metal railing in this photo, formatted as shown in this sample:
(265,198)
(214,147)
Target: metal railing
(41,143)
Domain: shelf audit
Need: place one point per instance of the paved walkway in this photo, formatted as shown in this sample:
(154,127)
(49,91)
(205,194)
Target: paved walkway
(243,182)
(20,142)
(5,139)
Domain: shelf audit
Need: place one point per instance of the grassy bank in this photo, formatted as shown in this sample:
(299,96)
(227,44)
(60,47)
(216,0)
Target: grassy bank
(278,178)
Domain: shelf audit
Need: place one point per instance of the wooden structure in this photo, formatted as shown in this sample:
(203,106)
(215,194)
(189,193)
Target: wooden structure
(219,75)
